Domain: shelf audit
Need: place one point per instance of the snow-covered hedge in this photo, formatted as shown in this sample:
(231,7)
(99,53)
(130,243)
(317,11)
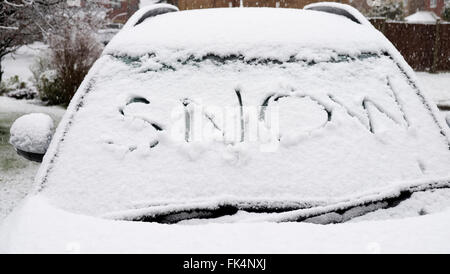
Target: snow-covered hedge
(14,87)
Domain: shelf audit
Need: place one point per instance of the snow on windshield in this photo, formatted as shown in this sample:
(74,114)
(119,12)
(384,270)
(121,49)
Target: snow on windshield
(294,133)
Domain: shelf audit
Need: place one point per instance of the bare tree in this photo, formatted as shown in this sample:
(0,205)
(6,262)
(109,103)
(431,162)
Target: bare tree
(24,21)
(21,21)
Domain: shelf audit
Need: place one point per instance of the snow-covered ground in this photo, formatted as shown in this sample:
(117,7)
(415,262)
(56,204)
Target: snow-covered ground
(16,173)
(19,63)
(437,85)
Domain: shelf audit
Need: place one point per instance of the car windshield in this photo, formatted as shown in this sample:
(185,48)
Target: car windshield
(209,136)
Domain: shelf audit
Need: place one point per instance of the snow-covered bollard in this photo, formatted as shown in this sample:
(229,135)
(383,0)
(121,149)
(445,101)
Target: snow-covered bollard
(32,133)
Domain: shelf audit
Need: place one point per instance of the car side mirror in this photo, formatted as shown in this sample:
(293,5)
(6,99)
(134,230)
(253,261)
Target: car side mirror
(31,135)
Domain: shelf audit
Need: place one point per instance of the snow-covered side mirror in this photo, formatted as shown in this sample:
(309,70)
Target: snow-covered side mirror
(31,135)
(148,12)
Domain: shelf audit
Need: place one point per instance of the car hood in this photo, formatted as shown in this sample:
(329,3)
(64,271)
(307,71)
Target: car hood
(38,227)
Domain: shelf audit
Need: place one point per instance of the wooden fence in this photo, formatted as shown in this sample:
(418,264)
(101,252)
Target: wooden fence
(426,47)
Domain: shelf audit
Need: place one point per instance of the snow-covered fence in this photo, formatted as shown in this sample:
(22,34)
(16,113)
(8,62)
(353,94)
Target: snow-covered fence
(426,47)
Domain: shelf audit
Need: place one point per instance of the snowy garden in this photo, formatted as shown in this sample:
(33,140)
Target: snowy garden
(46,49)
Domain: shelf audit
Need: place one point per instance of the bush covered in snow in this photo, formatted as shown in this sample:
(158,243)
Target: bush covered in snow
(16,88)
(71,58)
(43,77)
(73,48)
(12,83)
(49,87)
(23,93)
(446,13)
(389,9)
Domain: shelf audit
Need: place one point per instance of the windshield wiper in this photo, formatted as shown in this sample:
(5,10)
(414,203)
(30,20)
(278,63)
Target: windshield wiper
(175,217)
(313,212)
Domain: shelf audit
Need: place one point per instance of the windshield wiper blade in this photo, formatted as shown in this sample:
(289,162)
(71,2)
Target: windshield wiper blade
(316,212)
(174,213)
(175,217)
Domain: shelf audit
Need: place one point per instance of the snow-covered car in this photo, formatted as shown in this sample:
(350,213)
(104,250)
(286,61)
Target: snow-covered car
(245,129)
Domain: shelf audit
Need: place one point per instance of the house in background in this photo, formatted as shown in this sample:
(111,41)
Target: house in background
(365,6)
(201,4)
(413,6)
(121,10)
(408,6)
(436,6)
(424,11)
(422,17)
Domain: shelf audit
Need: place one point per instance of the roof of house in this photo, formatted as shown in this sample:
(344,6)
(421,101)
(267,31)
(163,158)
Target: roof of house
(422,17)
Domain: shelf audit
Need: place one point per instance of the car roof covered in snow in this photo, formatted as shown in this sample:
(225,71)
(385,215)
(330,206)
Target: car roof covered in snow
(253,32)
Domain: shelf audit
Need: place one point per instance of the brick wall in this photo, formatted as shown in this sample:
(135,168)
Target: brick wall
(438,9)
